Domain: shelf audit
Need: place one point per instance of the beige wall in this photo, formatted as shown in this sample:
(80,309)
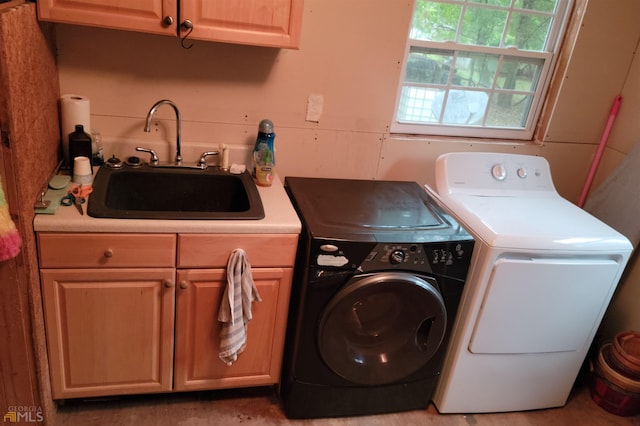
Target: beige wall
(223,91)
(352,59)
(624,312)
(351,52)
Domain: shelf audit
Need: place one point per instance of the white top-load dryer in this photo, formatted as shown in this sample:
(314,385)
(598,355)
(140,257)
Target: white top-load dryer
(543,272)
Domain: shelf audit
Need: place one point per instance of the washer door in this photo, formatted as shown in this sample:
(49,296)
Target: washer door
(382,327)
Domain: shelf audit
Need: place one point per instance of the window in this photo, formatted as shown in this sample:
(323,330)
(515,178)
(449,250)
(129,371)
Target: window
(478,67)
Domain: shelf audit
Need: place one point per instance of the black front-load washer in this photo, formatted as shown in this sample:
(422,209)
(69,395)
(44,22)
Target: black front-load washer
(378,278)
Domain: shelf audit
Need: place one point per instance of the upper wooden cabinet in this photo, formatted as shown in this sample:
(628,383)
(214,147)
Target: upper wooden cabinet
(149,16)
(272,23)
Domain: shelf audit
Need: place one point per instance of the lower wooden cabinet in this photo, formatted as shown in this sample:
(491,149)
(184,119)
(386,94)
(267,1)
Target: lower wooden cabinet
(199,296)
(115,329)
(110,331)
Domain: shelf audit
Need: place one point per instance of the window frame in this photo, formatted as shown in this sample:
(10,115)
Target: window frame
(549,57)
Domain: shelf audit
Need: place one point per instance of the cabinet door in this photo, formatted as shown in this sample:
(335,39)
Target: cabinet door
(109,331)
(151,16)
(197,365)
(274,23)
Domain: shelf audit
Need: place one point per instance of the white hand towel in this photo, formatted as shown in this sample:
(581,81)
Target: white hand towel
(235,309)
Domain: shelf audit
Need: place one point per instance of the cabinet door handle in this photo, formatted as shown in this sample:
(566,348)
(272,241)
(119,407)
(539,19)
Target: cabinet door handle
(184,285)
(167,21)
(186,25)
(168,283)
(108,253)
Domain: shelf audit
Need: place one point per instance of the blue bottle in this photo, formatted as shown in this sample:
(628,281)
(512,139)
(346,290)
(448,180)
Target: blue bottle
(264,160)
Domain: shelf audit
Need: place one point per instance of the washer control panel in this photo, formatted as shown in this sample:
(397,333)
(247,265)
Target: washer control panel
(451,258)
(484,173)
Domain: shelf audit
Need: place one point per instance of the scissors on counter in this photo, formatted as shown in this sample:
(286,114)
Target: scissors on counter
(77,196)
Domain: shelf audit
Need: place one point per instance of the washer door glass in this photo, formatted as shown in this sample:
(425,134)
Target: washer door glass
(382,327)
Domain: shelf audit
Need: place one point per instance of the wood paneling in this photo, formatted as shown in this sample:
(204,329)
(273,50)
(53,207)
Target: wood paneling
(29,152)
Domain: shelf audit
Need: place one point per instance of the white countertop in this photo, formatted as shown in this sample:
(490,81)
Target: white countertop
(280,218)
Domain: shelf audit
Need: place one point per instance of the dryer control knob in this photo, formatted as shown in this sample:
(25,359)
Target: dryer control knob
(499,172)
(396,257)
(522,172)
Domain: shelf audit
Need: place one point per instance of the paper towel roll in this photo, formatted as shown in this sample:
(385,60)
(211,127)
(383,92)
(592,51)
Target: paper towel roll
(74,109)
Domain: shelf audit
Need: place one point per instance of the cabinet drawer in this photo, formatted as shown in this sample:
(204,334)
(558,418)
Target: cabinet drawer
(88,250)
(212,251)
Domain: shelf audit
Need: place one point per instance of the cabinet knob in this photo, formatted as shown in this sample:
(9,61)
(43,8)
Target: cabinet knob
(184,285)
(108,253)
(168,20)
(168,283)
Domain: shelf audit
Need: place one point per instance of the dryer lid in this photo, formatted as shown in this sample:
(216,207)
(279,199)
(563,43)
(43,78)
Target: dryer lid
(535,223)
(516,205)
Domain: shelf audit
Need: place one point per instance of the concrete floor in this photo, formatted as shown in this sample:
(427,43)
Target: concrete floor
(260,406)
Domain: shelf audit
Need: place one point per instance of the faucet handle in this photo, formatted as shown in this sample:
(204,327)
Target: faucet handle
(224,160)
(154,157)
(202,162)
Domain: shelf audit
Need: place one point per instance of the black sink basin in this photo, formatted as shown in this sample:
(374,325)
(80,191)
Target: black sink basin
(174,193)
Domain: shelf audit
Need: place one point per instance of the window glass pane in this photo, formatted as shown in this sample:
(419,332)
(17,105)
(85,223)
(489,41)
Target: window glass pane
(541,5)
(428,66)
(416,105)
(435,21)
(482,26)
(461,107)
(528,31)
(519,74)
(508,110)
(474,69)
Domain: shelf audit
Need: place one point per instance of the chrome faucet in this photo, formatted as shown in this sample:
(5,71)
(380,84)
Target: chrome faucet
(147,127)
